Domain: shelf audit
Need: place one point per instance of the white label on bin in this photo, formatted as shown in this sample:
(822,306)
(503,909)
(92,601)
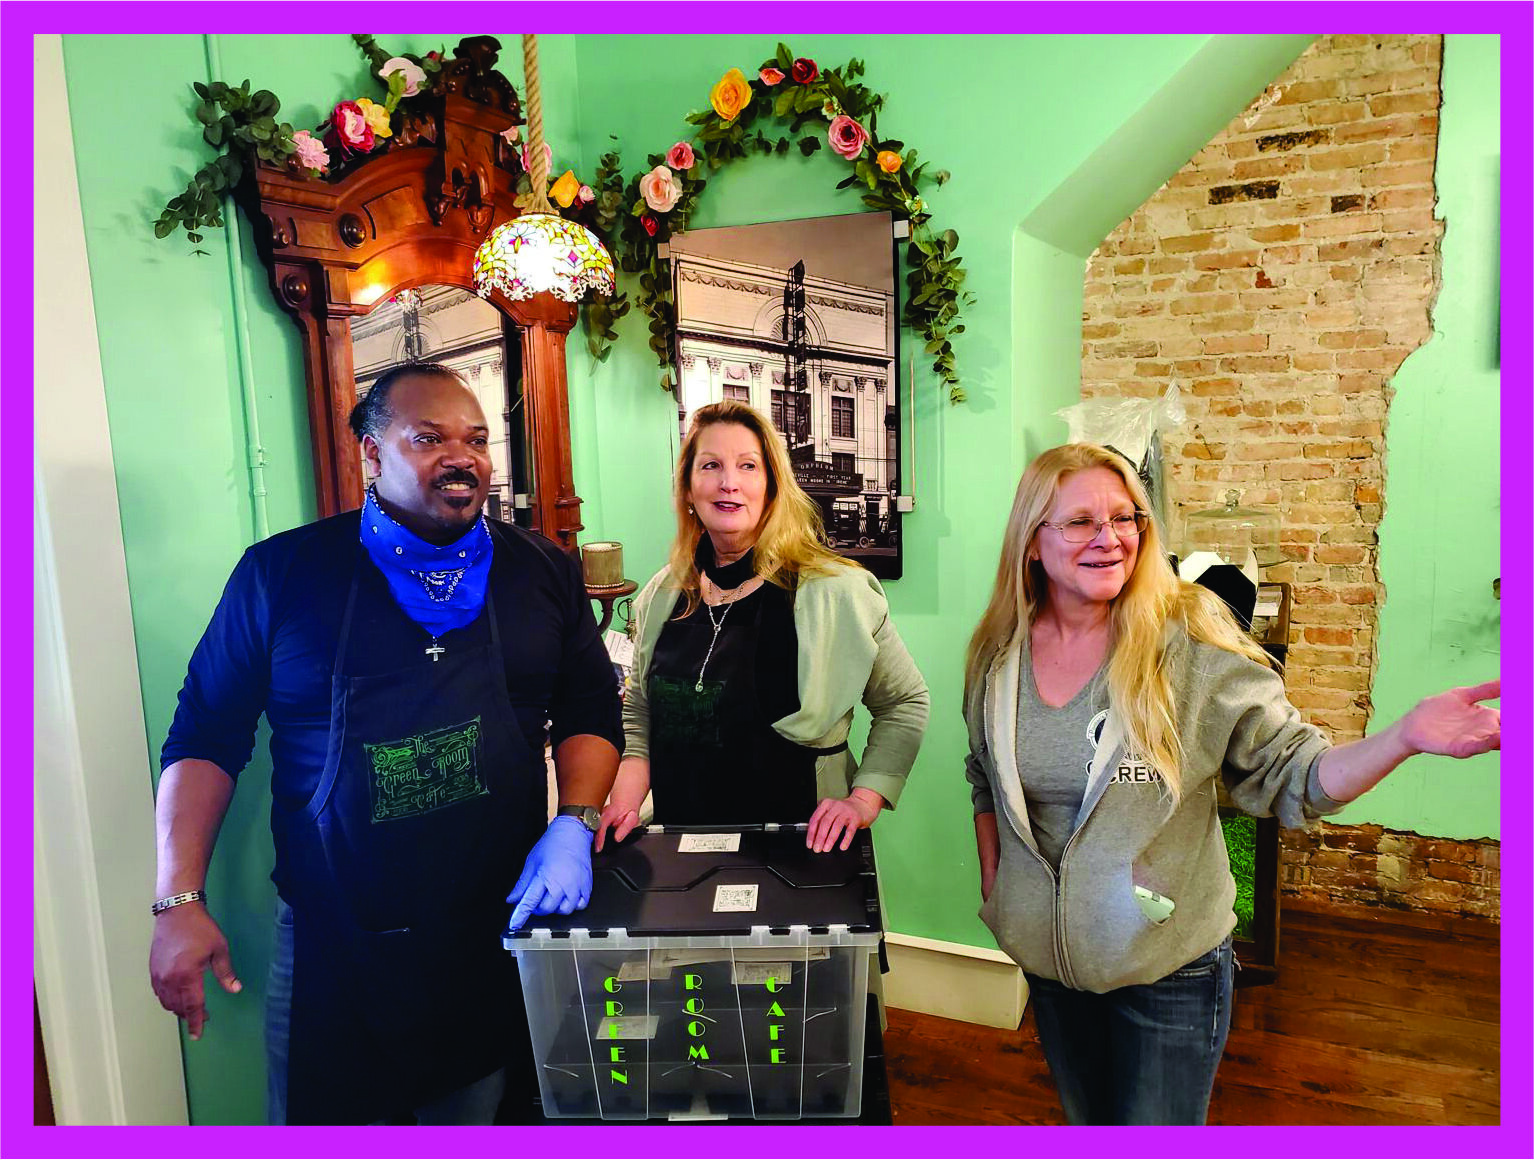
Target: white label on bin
(708,844)
(757,974)
(735,898)
(628,1027)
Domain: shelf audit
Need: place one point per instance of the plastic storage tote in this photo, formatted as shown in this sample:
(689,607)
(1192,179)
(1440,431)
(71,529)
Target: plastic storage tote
(716,974)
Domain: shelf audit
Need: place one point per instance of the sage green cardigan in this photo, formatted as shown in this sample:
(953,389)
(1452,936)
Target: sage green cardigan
(849,651)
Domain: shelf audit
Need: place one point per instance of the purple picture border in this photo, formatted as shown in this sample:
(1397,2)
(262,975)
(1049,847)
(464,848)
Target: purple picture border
(18,24)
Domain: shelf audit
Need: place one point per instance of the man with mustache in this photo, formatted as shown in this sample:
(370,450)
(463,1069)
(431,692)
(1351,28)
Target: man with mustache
(411,659)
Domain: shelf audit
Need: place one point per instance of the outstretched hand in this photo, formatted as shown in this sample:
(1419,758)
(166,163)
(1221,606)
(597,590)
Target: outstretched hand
(1453,724)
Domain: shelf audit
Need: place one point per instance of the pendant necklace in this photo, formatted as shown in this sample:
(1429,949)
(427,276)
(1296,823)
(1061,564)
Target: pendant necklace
(717,625)
(440,586)
(434,650)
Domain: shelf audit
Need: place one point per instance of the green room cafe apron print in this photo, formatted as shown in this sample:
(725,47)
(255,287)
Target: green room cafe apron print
(416,775)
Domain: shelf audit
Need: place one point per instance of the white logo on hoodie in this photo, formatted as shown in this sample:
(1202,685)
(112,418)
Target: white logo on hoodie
(1133,769)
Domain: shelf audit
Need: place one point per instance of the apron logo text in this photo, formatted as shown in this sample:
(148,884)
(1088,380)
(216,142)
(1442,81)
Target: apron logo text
(416,775)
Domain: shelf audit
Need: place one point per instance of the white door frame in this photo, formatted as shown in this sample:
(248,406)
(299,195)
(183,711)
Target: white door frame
(114,1056)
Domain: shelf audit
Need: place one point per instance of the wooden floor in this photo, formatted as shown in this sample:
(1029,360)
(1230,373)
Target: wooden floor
(1369,1023)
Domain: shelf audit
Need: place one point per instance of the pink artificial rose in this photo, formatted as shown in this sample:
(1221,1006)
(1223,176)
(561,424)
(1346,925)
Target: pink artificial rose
(660,189)
(680,156)
(311,151)
(349,128)
(847,137)
(415,75)
(548,156)
(586,194)
(510,135)
(770,76)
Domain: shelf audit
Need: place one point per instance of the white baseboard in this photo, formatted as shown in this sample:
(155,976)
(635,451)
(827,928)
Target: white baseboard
(954,981)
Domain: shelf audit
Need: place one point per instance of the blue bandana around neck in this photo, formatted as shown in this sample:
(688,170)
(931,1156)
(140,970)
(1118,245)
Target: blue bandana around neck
(440,588)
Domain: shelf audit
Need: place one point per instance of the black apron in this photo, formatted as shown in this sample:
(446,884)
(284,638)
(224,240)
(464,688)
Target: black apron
(715,758)
(429,802)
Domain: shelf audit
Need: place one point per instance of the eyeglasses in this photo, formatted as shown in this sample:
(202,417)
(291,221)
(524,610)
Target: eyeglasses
(1084,529)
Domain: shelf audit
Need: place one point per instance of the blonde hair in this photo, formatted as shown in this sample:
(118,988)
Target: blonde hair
(790,538)
(1153,596)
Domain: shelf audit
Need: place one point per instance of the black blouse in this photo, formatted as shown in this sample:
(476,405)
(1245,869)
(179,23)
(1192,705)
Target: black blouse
(715,757)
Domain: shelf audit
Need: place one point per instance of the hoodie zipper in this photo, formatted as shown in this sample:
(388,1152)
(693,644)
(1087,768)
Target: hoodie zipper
(1068,974)
(1057,928)
(1062,959)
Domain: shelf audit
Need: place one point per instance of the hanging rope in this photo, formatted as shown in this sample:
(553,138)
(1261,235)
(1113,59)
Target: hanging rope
(537,161)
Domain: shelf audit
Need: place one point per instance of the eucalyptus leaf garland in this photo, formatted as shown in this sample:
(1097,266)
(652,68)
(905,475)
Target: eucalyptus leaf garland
(790,101)
(243,128)
(789,104)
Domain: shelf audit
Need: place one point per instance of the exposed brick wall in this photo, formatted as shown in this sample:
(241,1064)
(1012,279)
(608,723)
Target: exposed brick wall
(1280,279)
(1345,867)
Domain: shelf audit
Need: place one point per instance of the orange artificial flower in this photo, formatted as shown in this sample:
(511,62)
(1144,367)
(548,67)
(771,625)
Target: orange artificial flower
(564,190)
(888,160)
(731,94)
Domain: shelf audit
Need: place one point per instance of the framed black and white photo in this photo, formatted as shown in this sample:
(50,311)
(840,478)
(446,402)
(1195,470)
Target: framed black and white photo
(798,319)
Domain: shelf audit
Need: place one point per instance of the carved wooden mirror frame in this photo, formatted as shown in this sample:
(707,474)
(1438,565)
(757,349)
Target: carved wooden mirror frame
(408,215)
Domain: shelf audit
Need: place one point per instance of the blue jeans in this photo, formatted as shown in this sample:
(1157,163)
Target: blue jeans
(476,1103)
(1138,1055)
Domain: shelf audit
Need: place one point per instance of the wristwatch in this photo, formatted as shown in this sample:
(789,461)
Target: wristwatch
(589,816)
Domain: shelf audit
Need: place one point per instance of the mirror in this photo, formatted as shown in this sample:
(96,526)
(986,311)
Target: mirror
(458,329)
(344,253)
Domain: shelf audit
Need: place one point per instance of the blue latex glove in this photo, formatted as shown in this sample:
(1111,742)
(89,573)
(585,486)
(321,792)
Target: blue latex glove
(557,874)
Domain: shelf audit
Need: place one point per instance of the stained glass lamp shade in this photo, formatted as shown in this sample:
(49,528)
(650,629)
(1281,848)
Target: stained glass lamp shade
(534,252)
(538,250)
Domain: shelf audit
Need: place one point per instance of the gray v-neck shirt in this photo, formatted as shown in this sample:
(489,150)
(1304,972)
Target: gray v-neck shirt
(1054,754)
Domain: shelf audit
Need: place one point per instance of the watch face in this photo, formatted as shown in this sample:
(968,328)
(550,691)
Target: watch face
(589,816)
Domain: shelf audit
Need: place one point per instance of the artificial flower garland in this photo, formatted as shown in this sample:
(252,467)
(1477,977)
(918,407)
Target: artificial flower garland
(797,91)
(243,126)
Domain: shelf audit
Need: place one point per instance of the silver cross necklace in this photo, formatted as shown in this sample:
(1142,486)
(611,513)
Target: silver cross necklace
(728,601)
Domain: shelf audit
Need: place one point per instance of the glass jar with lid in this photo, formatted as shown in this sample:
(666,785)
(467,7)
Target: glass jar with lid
(1232,532)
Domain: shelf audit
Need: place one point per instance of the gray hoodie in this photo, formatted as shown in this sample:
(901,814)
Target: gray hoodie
(1083,926)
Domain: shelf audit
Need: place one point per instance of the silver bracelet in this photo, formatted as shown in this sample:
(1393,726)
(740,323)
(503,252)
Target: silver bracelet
(178,900)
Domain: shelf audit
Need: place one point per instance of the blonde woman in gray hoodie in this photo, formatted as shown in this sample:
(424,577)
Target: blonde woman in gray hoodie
(1105,698)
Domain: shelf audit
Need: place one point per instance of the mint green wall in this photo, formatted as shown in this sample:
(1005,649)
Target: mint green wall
(1029,127)
(1017,120)
(1440,539)
(170,339)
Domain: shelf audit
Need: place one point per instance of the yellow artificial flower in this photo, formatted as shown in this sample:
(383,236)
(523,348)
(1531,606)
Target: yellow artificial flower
(564,190)
(888,161)
(378,117)
(731,94)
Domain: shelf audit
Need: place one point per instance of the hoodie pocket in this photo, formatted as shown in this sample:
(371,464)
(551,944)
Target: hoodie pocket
(987,911)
